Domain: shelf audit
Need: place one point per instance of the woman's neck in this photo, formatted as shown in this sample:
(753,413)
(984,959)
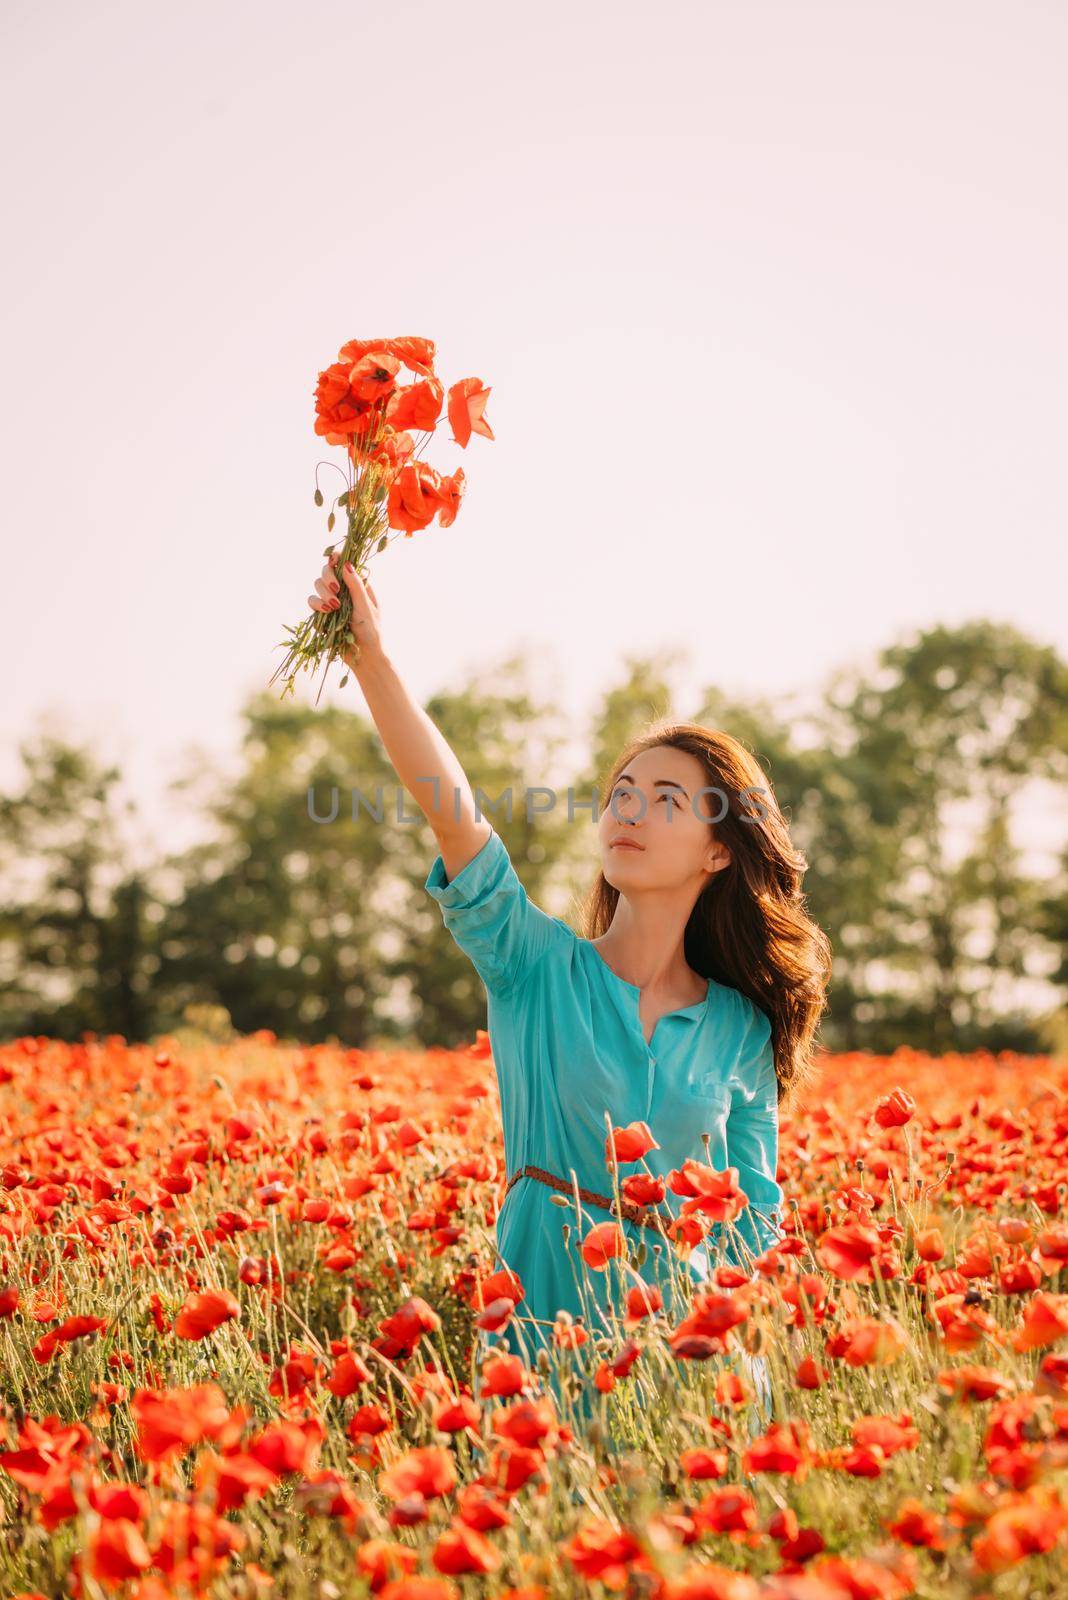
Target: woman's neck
(645,946)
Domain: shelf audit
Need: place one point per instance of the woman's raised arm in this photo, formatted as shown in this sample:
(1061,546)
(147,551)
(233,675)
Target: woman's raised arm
(422,757)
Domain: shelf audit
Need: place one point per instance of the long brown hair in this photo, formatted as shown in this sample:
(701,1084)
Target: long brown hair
(749,928)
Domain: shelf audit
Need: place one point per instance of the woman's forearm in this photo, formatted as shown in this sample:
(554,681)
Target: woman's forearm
(422,757)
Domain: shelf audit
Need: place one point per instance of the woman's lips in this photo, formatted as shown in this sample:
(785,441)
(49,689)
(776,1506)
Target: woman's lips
(625,844)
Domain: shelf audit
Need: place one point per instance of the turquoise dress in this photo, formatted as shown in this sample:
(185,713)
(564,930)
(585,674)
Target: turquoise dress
(572,1061)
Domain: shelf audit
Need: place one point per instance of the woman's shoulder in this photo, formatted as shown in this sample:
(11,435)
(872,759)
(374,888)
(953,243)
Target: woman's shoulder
(487,910)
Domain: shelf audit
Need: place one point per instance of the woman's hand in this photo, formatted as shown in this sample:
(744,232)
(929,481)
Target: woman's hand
(364,621)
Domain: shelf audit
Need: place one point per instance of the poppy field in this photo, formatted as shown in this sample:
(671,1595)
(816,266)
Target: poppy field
(243,1291)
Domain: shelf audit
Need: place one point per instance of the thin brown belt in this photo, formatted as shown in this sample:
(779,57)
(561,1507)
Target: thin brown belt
(645,1216)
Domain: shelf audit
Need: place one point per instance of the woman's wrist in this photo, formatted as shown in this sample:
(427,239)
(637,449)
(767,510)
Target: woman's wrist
(370,664)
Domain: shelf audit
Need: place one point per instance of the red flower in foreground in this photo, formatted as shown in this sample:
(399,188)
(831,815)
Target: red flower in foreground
(418,406)
(204,1312)
(463,1549)
(467,402)
(602,1551)
(895,1109)
(848,1251)
(1045,1321)
(117,1551)
(785,1447)
(890,1434)
(916,1524)
(868,1341)
(604,1241)
(171,1421)
(712,1194)
(502,1375)
(630,1143)
(66,1333)
(414,500)
(429,1472)
(974,1382)
(643,1300)
(411,351)
(497,1286)
(407,1325)
(496,1314)
(964,1325)
(1015,1532)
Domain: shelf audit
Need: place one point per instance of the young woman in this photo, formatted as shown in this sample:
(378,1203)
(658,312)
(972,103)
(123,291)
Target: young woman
(689,1003)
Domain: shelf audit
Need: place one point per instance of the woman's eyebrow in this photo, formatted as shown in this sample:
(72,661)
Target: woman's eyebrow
(658,783)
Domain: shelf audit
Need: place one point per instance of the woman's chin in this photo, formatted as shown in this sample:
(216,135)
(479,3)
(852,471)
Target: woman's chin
(618,863)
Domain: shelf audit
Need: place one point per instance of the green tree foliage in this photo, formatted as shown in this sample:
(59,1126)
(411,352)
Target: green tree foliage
(941,742)
(644,694)
(279,916)
(312,883)
(77,951)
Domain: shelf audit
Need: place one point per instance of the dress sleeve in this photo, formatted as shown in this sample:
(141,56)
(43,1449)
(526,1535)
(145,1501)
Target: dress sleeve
(488,913)
(753,1144)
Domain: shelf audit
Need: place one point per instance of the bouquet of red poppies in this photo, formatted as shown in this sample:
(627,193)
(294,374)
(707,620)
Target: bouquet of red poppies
(361,405)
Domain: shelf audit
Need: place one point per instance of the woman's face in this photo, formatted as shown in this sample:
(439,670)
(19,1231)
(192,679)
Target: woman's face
(670,841)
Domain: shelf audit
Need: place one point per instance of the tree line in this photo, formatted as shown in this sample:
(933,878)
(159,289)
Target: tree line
(902,783)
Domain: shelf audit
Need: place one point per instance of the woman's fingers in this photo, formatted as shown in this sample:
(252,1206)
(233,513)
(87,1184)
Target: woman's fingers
(353,582)
(328,588)
(360,589)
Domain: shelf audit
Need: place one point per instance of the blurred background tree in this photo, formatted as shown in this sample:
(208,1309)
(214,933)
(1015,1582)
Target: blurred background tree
(941,742)
(77,951)
(304,909)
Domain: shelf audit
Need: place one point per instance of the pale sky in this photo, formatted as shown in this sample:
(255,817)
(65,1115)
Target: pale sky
(770,297)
